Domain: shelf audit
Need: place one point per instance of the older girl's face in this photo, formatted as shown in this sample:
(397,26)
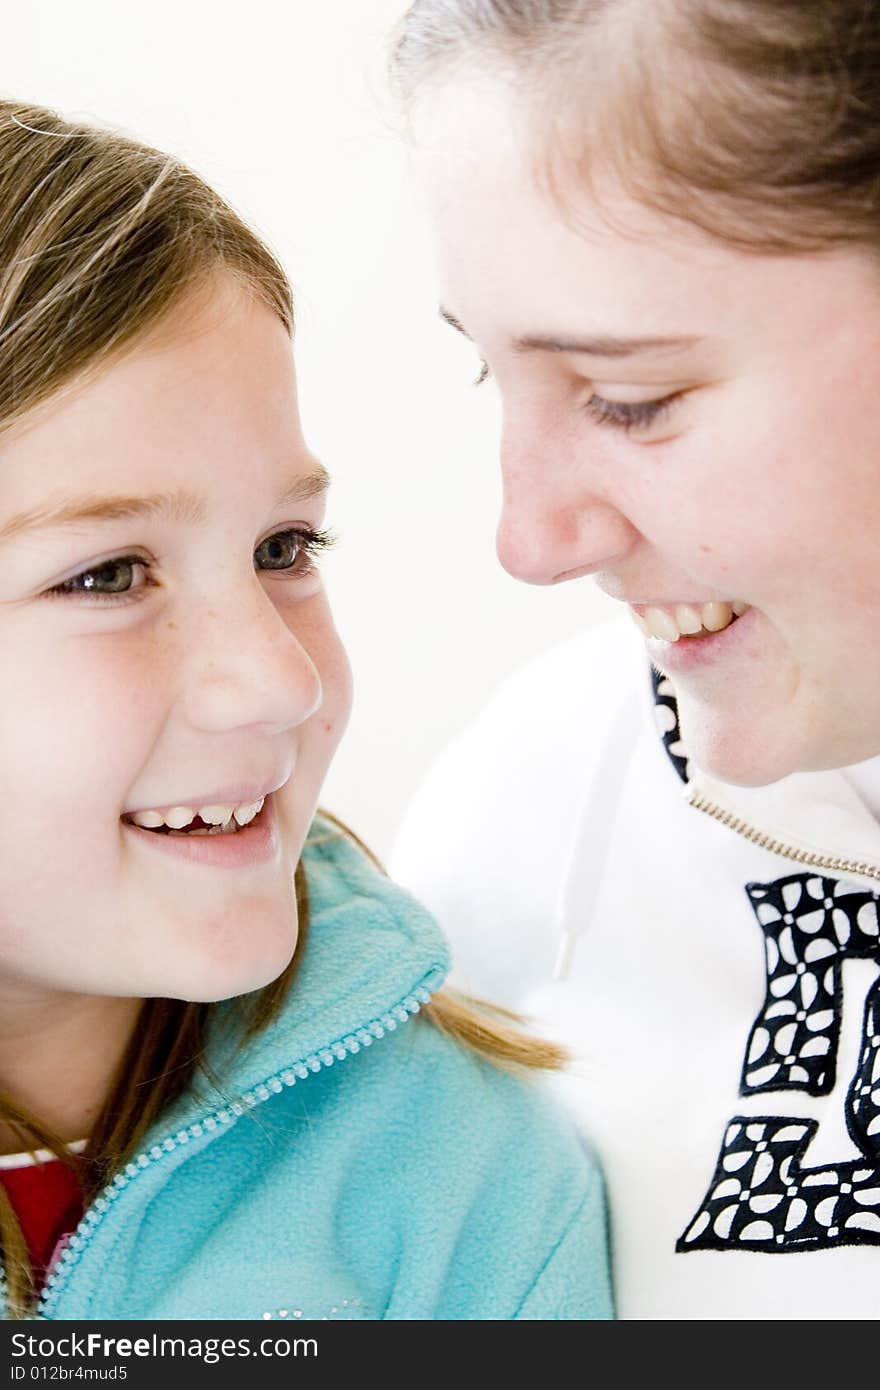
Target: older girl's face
(688,423)
(171,645)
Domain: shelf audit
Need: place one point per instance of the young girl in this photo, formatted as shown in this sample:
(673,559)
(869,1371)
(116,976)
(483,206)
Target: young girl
(659,221)
(210,1045)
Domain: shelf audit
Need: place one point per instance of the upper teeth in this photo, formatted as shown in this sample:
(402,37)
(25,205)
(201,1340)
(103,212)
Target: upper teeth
(178,817)
(685,620)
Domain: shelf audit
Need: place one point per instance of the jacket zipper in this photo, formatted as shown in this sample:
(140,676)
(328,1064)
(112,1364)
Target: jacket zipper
(343,1047)
(758,837)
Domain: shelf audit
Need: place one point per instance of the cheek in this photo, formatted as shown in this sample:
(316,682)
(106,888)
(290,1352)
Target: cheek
(757,497)
(336,682)
(318,739)
(74,727)
(806,455)
(695,503)
(314,629)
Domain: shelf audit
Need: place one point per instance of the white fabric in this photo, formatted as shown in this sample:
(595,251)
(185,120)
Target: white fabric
(35,1156)
(865,780)
(666,975)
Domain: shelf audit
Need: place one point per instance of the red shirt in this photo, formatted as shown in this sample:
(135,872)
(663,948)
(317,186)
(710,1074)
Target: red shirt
(47,1200)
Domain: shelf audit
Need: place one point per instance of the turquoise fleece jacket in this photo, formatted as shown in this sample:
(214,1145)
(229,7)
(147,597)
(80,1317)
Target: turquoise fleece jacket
(358,1165)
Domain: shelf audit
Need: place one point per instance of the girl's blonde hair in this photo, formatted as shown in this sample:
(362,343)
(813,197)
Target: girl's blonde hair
(100,237)
(755,120)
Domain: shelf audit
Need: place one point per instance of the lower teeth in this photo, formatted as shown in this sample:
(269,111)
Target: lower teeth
(231,828)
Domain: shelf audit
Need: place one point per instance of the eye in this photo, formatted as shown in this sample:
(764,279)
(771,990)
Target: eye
(295,551)
(630,415)
(290,552)
(108,582)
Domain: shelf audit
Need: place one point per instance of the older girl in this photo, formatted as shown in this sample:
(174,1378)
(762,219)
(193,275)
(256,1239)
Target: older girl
(659,222)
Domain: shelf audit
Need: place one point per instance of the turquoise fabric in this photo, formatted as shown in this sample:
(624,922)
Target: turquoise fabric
(398,1176)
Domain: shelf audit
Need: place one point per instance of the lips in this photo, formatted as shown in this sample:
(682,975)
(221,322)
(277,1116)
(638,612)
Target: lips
(258,842)
(232,796)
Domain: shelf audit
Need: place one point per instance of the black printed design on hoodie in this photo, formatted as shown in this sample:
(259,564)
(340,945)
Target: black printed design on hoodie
(765,1193)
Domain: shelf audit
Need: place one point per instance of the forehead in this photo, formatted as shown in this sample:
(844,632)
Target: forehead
(514,258)
(214,384)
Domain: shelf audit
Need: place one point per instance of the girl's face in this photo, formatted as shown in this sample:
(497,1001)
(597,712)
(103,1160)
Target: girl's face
(174,648)
(687,422)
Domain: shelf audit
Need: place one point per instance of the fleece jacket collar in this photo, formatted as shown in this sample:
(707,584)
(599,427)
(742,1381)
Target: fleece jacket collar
(372,956)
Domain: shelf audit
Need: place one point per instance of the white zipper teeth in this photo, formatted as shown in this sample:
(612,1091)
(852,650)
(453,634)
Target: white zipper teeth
(344,1047)
(759,837)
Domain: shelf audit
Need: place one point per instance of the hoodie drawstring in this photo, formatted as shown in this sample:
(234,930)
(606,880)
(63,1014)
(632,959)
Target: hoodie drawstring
(587,861)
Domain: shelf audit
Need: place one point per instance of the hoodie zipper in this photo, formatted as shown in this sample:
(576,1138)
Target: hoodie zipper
(226,1115)
(799,855)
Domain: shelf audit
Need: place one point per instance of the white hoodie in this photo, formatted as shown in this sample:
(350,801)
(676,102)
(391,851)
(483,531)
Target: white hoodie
(717,949)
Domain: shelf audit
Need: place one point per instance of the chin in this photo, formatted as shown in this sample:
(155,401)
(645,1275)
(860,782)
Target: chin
(733,752)
(222,974)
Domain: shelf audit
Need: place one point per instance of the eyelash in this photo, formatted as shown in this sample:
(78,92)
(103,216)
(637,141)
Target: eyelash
(621,415)
(310,543)
(629,415)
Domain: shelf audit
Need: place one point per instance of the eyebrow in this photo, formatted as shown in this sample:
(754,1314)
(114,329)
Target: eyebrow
(602,345)
(180,505)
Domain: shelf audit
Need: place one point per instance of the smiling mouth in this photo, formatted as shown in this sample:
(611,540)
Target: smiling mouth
(674,622)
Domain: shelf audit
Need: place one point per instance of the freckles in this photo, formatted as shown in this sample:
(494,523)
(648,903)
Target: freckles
(706,549)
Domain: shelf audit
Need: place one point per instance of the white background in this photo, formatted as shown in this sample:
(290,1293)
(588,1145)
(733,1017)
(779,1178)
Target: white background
(283,107)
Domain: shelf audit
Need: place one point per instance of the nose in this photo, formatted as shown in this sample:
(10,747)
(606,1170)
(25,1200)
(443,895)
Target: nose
(555,522)
(250,667)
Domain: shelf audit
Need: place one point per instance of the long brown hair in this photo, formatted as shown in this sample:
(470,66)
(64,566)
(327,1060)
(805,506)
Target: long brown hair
(755,120)
(100,237)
